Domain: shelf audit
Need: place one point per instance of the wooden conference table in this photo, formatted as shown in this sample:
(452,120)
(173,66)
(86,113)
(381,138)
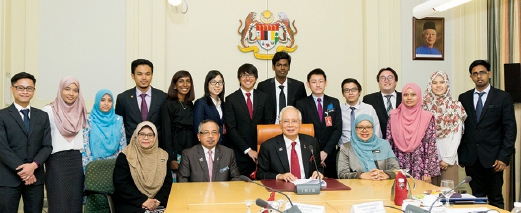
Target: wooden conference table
(228,196)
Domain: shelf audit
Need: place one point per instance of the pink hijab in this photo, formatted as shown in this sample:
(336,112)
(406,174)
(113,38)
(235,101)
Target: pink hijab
(69,119)
(408,124)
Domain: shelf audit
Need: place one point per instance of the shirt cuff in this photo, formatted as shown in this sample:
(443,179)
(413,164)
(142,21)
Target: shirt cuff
(247,150)
(37,164)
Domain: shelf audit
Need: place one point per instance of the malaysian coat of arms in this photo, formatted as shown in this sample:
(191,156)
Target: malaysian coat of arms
(267,34)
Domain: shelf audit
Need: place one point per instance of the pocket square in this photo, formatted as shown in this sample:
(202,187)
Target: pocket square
(224,169)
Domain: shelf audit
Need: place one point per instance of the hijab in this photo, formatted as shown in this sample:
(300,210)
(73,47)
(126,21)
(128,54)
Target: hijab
(408,124)
(447,112)
(147,166)
(69,119)
(105,131)
(364,149)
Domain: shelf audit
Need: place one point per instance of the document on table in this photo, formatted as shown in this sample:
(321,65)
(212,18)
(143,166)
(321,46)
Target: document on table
(309,181)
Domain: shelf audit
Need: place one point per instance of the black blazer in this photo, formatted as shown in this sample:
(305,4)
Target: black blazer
(492,137)
(296,91)
(273,157)
(127,107)
(203,111)
(243,129)
(327,136)
(194,167)
(18,147)
(126,196)
(376,100)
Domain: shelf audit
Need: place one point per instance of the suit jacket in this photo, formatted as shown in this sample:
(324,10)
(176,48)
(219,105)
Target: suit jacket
(243,129)
(273,157)
(127,107)
(493,136)
(327,136)
(296,91)
(376,100)
(194,167)
(203,111)
(17,146)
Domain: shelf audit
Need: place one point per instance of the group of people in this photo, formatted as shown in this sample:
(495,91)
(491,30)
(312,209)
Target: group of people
(153,135)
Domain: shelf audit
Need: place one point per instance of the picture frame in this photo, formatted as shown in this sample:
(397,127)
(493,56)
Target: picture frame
(428,41)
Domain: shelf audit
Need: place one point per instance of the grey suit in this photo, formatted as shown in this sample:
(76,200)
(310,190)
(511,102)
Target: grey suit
(194,167)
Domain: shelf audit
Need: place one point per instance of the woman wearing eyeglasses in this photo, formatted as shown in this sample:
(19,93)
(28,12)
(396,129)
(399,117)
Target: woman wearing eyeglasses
(141,178)
(211,105)
(366,156)
(177,117)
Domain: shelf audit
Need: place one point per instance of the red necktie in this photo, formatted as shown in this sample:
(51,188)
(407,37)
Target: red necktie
(295,165)
(249,104)
(210,164)
(320,110)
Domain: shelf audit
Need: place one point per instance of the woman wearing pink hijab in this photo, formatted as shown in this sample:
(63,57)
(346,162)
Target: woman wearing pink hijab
(64,170)
(411,131)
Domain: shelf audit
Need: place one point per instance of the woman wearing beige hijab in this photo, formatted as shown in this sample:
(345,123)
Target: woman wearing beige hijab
(141,180)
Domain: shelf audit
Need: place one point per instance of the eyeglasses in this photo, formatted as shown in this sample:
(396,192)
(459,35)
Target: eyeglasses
(143,135)
(364,128)
(21,88)
(388,78)
(350,90)
(218,83)
(292,122)
(247,75)
(208,133)
(480,73)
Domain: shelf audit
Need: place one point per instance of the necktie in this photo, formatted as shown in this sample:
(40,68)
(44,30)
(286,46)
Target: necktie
(210,164)
(389,105)
(320,110)
(144,107)
(249,104)
(352,115)
(295,165)
(282,98)
(479,106)
(26,118)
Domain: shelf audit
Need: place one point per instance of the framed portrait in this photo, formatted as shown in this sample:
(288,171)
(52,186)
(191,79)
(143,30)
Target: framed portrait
(428,39)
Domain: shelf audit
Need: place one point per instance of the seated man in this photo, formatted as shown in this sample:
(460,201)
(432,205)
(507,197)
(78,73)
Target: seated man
(288,156)
(198,161)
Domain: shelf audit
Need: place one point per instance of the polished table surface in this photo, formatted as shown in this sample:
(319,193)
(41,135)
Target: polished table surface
(228,196)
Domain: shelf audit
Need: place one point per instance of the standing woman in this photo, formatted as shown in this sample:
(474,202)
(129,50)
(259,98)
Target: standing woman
(104,133)
(211,105)
(411,131)
(450,116)
(64,175)
(177,117)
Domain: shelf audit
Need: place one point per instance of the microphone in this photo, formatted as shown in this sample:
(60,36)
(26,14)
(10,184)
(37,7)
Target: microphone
(293,209)
(316,167)
(415,209)
(263,204)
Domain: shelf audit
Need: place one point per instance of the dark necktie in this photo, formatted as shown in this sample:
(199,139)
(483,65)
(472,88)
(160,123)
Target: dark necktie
(479,105)
(389,104)
(210,164)
(295,165)
(352,115)
(25,112)
(282,98)
(249,104)
(144,107)
(320,110)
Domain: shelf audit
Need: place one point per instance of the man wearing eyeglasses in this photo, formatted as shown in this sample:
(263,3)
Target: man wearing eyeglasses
(25,144)
(354,107)
(209,161)
(490,133)
(387,98)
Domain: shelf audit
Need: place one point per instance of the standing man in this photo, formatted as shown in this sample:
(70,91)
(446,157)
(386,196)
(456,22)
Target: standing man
(282,91)
(245,109)
(490,134)
(141,103)
(324,113)
(353,108)
(387,99)
(25,144)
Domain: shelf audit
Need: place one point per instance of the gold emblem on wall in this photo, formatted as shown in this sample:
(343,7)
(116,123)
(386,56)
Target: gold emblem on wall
(267,34)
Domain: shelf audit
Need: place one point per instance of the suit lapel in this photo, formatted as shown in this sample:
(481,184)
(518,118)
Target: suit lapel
(133,102)
(18,118)
(255,101)
(217,162)
(471,111)
(273,91)
(242,101)
(154,102)
(314,109)
(283,153)
(202,162)
(490,96)
(306,155)
(380,102)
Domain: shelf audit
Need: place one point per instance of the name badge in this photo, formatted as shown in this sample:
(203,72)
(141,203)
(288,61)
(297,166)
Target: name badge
(329,121)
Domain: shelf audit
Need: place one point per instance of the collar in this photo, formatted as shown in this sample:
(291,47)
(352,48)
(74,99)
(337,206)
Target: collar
(18,107)
(288,141)
(394,94)
(148,92)
(205,150)
(486,90)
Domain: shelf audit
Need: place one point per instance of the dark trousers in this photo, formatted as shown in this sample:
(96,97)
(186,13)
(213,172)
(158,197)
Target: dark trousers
(331,160)
(32,198)
(486,183)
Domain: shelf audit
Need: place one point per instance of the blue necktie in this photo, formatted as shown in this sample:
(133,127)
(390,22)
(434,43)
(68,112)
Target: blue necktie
(479,106)
(352,115)
(26,118)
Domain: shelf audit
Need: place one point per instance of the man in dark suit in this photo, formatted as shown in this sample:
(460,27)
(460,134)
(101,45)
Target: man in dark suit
(387,98)
(282,91)
(199,160)
(288,156)
(25,144)
(131,105)
(325,114)
(243,113)
(490,132)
